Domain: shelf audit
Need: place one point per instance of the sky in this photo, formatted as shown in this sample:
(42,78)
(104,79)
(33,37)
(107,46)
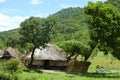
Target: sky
(13,12)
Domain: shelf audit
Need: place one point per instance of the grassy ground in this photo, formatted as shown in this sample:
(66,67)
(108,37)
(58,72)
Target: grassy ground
(64,76)
(108,62)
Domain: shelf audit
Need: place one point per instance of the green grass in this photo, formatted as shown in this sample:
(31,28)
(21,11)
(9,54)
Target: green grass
(108,62)
(65,76)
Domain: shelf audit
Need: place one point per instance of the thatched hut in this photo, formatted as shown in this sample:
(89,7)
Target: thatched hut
(9,53)
(50,57)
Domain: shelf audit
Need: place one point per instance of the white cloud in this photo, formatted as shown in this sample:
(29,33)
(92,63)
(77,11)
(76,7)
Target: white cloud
(1,1)
(42,15)
(66,6)
(7,22)
(35,2)
(97,0)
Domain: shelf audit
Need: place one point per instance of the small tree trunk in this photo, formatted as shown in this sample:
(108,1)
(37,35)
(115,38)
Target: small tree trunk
(76,56)
(70,56)
(32,57)
(90,51)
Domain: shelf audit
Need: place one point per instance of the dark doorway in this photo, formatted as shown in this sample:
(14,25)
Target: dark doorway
(46,64)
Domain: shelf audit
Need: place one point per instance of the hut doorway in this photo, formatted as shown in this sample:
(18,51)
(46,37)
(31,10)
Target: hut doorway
(46,64)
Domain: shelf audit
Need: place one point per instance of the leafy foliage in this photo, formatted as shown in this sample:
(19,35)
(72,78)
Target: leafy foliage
(6,36)
(116,3)
(30,31)
(104,25)
(12,69)
(12,42)
(71,25)
(13,66)
(74,48)
(35,33)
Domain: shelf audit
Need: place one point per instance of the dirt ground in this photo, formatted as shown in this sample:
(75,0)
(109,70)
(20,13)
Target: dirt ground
(52,71)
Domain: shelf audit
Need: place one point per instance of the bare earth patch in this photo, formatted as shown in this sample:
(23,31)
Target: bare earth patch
(52,71)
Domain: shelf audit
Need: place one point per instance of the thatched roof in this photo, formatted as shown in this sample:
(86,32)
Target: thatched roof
(50,52)
(9,53)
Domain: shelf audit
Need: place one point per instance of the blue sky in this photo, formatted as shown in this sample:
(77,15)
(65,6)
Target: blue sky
(13,12)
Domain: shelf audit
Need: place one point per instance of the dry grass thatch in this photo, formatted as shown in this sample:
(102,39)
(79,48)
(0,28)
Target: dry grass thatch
(78,67)
(50,52)
(9,53)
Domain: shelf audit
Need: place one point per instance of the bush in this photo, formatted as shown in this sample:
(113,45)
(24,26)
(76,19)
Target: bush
(4,76)
(8,76)
(13,66)
(12,69)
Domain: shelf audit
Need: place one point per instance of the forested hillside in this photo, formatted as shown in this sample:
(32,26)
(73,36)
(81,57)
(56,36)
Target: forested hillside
(6,35)
(71,25)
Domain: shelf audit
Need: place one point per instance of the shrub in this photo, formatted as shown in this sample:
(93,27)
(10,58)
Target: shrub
(4,76)
(11,71)
(13,66)
(8,76)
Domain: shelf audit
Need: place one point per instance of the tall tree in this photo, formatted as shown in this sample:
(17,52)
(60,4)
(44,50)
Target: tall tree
(35,31)
(116,3)
(104,26)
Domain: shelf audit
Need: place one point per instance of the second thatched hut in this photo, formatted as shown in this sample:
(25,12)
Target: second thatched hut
(9,53)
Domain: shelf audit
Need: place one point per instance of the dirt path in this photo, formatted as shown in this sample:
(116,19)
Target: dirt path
(52,71)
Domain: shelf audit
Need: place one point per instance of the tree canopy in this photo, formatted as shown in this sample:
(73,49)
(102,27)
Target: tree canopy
(71,25)
(74,48)
(35,32)
(104,25)
(116,3)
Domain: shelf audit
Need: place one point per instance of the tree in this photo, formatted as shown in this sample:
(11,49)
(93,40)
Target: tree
(12,42)
(11,70)
(104,27)
(74,48)
(35,31)
(116,3)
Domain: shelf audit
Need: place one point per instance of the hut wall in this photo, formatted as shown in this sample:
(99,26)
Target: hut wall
(58,63)
(51,63)
(38,62)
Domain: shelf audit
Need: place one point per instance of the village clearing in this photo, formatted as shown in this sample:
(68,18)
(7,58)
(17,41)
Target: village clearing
(109,63)
(105,63)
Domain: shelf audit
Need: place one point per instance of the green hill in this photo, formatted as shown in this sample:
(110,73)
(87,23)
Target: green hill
(71,24)
(4,36)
